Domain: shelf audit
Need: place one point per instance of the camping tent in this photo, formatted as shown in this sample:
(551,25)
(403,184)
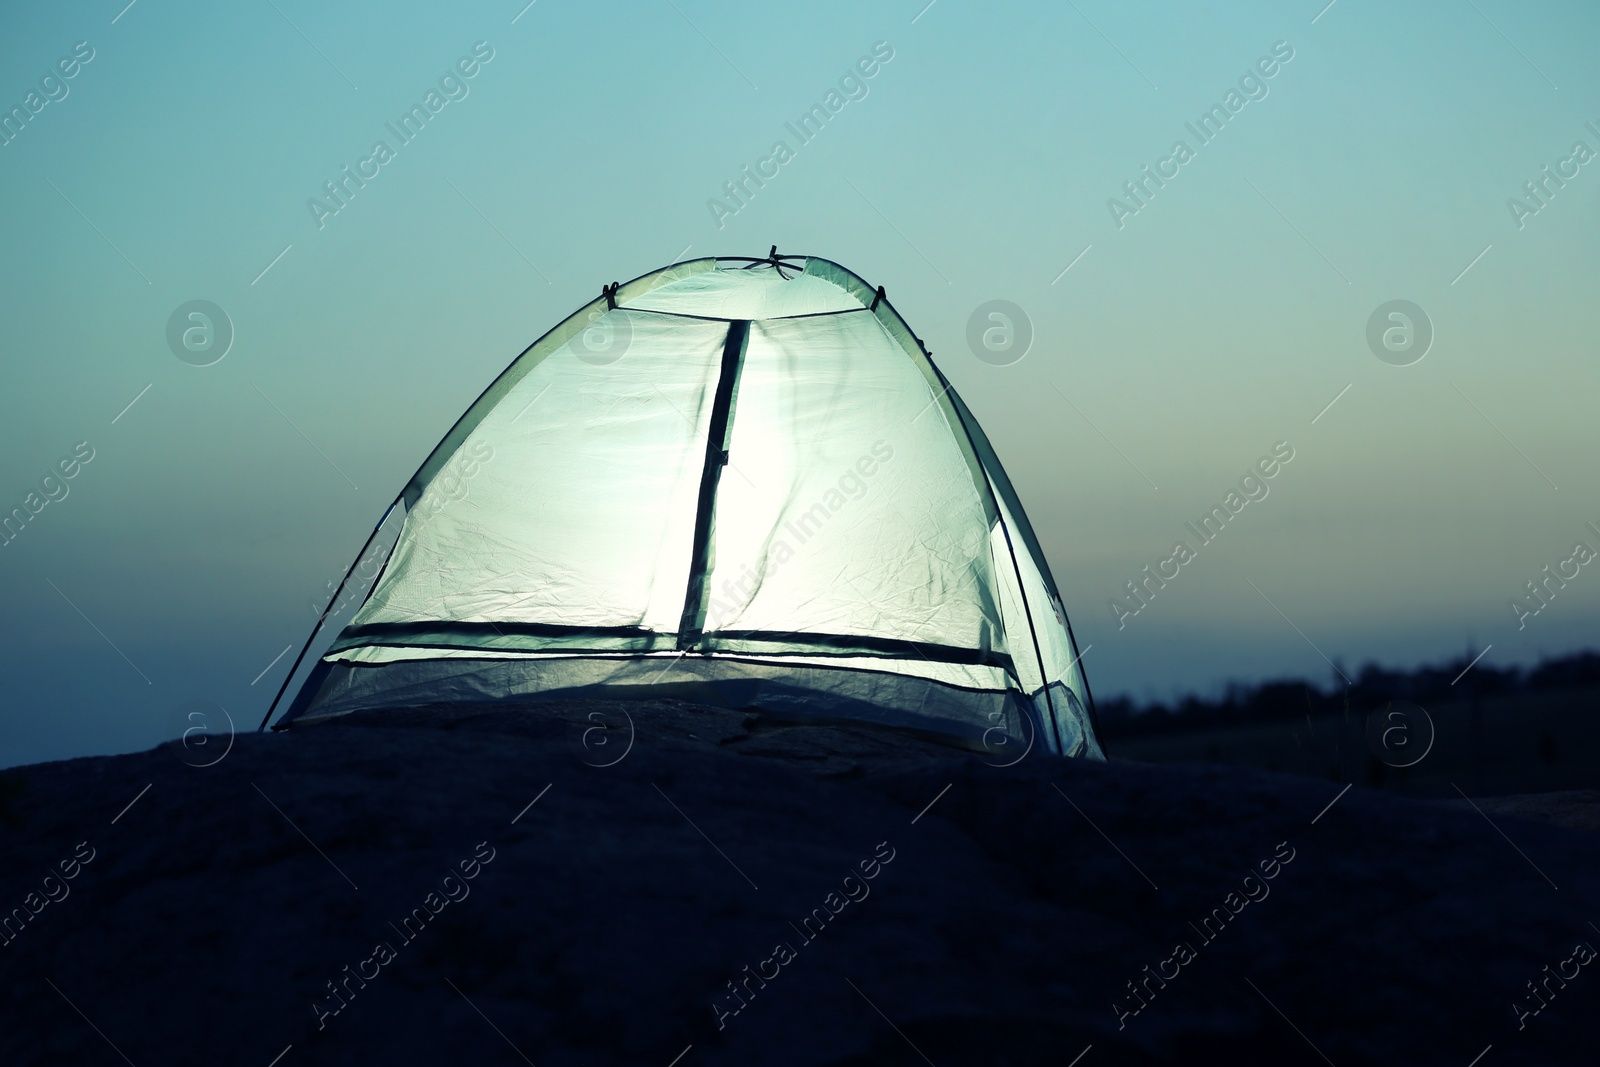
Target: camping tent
(738,481)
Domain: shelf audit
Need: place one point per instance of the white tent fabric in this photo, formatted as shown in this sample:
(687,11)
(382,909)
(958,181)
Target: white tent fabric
(742,482)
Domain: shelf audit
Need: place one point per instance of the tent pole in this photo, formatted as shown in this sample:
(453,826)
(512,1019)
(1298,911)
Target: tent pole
(1016,568)
(1072,641)
(324,616)
(1038,655)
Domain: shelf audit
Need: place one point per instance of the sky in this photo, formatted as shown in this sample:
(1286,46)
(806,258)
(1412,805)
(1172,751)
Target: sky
(1179,333)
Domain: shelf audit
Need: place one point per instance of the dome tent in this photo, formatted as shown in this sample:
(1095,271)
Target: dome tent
(736,481)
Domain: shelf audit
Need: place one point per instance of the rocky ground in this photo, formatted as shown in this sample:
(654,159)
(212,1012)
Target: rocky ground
(1008,911)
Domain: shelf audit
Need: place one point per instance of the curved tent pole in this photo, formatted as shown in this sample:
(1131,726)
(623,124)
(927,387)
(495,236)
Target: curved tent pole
(1033,633)
(611,295)
(1022,587)
(1030,541)
(387,559)
(324,616)
(1094,716)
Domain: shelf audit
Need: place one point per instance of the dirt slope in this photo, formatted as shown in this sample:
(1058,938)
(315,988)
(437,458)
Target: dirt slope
(1003,925)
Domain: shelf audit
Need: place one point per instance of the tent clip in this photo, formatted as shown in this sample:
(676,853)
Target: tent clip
(777,262)
(877,298)
(610,293)
(772,259)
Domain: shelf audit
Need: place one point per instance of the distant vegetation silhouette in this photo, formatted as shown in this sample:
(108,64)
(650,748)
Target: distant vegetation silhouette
(1370,687)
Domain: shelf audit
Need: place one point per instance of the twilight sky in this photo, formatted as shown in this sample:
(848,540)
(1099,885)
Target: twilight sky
(1180,332)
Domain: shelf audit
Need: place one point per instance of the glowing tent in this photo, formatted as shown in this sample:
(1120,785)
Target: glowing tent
(741,482)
